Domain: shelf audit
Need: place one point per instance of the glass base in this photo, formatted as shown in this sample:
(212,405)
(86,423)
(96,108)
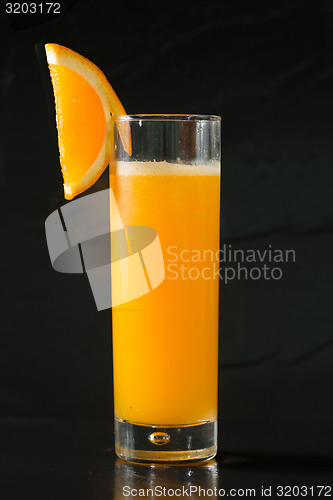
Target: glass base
(147,443)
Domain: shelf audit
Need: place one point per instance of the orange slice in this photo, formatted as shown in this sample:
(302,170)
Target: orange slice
(84,102)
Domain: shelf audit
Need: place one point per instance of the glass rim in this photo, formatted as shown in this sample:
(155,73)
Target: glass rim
(166,117)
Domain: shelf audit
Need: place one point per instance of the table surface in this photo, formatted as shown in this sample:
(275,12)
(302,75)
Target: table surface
(75,459)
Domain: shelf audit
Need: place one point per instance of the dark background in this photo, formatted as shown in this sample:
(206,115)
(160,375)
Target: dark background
(267,69)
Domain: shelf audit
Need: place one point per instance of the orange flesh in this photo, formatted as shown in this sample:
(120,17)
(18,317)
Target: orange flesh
(81,122)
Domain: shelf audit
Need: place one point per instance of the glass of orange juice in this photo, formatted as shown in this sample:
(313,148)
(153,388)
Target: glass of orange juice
(165,341)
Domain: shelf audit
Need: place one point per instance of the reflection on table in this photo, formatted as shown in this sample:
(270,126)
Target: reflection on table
(181,481)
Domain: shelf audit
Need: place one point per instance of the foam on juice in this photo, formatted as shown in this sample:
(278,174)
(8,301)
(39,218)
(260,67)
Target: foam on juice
(162,168)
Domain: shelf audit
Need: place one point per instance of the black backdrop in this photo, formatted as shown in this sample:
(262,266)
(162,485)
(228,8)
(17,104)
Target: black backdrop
(266,68)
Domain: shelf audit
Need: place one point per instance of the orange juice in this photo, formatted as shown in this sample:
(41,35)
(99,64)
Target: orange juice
(165,343)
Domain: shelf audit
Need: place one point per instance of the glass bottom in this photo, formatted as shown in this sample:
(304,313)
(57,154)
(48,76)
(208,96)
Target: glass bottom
(148,443)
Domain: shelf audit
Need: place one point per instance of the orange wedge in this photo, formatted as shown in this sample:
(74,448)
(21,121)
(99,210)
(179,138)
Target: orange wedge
(84,102)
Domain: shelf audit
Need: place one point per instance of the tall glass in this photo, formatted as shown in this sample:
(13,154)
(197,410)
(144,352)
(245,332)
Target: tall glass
(165,341)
